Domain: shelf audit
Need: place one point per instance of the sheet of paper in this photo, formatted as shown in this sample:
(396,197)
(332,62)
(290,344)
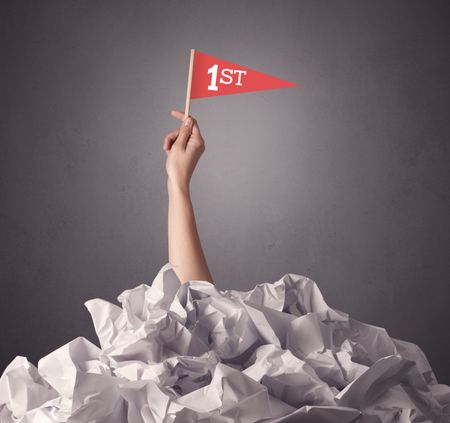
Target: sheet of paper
(193,353)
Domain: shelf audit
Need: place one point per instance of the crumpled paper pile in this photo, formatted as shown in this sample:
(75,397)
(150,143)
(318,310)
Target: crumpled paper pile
(192,353)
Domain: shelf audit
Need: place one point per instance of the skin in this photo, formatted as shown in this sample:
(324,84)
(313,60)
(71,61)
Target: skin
(184,147)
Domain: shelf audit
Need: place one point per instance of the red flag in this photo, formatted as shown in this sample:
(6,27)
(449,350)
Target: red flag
(212,76)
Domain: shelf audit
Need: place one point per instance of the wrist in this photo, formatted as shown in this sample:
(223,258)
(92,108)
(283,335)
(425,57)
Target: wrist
(177,189)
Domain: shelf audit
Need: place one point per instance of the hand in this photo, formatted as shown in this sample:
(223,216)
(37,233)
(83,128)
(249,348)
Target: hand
(183,148)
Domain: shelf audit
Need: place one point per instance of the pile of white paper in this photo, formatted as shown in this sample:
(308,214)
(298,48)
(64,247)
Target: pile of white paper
(191,353)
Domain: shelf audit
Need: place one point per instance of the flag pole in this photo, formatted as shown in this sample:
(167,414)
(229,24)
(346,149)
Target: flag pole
(189,84)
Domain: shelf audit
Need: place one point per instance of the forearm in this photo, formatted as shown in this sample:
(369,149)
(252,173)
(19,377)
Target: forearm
(185,250)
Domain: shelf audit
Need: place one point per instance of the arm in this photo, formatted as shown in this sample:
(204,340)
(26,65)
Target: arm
(183,147)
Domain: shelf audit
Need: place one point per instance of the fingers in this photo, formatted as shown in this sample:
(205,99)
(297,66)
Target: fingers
(181,116)
(196,129)
(185,133)
(170,139)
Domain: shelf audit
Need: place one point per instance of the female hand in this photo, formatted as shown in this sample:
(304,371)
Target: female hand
(183,148)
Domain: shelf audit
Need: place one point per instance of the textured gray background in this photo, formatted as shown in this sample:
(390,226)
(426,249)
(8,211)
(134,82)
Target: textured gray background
(343,179)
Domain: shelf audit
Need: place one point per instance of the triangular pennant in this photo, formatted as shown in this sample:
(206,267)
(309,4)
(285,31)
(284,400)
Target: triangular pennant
(212,77)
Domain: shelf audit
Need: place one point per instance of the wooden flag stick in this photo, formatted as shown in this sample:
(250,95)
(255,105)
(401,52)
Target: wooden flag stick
(189,84)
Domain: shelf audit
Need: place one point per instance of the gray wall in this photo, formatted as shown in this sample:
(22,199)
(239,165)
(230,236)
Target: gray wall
(343,179)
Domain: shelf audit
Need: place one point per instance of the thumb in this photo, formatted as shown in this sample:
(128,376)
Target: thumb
(185,132)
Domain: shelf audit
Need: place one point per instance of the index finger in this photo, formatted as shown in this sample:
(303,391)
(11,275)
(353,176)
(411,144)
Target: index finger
(170,139)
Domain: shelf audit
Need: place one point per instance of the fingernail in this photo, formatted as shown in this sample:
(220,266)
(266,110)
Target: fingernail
(187,122)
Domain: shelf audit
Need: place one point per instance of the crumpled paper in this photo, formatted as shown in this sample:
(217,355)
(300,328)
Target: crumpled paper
(192,353)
